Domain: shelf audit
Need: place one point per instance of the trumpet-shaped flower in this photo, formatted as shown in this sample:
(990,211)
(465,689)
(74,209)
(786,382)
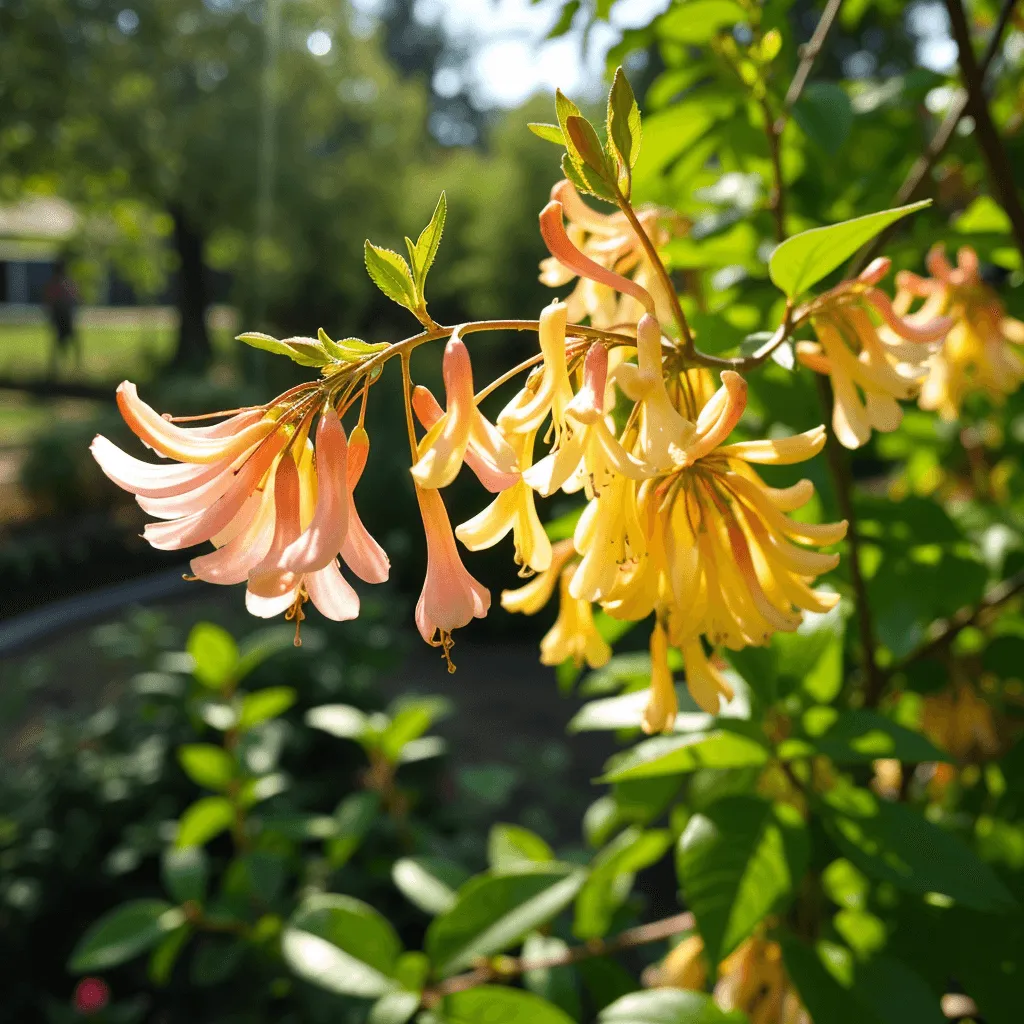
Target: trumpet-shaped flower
(610,241)
(662,708)
(277,508)
(451,597)
(982,350)
(513,509)
(530,598)
(872,366)
(442,450)
(574,635)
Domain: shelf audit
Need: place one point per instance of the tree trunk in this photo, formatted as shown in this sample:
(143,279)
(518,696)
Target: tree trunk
(194,351)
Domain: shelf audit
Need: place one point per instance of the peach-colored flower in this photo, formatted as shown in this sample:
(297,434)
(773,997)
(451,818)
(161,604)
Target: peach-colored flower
(982,351)
(451,597)
(443,449)
(574,635)
(277,508)
(872,366)
(609,240)
(662,707)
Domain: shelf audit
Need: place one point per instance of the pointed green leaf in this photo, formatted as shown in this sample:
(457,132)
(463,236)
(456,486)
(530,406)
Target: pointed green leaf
(548,132)
(394,1008)
(307,351)
(565,20)
(429,883)
(584,141)
(895,843)
(204,820)
(256,339)
(699,20)
(738,860)
(207,765)
(165,956)
(803,260)
(123,933)
(490,1004)
(391,274)
(423,252)
(354,817)
(861,736)
(185,873)
(673,755)
(342,945)
(265,704)
(495,912)
(509,845)
(624,128)
(214,655)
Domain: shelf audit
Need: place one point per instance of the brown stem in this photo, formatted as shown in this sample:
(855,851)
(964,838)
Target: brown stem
(945,632)
(842,481)
(1000,168)
(808,55)
(911,188)
(510,967)
(659,268)
(777,200)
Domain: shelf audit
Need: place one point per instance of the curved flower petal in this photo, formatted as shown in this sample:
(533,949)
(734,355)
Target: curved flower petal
(360,552)
(331,593)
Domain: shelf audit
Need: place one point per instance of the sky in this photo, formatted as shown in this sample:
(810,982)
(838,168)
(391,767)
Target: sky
(511,58)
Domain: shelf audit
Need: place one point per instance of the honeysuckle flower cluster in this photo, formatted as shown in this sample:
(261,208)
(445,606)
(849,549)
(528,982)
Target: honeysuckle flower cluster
(752,979)
(874,356)
(982,352)
(677,526)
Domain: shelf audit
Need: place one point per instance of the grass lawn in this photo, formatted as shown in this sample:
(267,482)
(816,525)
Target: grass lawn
(117,344)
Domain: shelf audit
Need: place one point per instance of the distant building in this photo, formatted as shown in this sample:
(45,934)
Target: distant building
(32,234)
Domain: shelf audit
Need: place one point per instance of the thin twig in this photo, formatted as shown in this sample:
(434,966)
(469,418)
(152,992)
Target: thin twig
(943,633)
(777,200)
(911,188)
(842,480)
(659,268)
(511,967)
(808,55)
(1000,168)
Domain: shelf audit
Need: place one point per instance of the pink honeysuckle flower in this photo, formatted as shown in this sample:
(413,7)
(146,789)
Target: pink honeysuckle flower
(451,597)
(442,451)
(273,590)
(480,454)
(360,552)
(560,246)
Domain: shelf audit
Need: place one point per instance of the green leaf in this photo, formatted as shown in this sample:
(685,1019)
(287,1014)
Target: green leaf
(394,1008)
(547,132)
(307,351)
(256,339)
(672,755)
(430,883)
(422,254)
(555,984)
(738,860)
(262,645)
(894,843)
(624,127)
(825,115)
(124,933)
(574,166)
(353,818)
(803,260)
(207,765)
(565,20)
(859,736)
(349,350)
(342,945)
(185,873)
(495,912)
(411,720)
(583,138)
(204,820)
(265,704)
(611,878)
(699,20)
(825,997)
(511,845)
(341,720)
(165,956)
(668,1006)
(490,1004)
(391,274)
(214,655)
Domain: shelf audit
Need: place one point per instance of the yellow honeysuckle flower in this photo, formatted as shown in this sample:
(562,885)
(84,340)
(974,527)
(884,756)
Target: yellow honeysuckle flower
(574,635)
(684,967)
(662,708)
(871,367)
(529,599)
(513,509)
(981,350)
(753,979)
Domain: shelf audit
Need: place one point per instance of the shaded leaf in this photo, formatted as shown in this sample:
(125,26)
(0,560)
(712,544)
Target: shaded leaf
(124,933)
(825,115)
(185,873)
(510,845)
(490,1004)
(671,755)
(668,1006)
